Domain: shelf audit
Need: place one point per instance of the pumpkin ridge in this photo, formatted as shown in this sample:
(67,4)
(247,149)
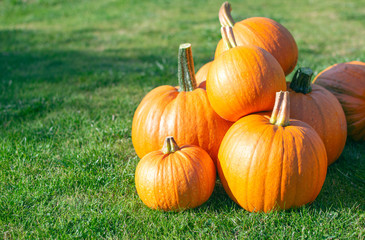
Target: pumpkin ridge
(196,165)
(187,182)
(295,149)
(317,167)
(228,69)
(247,174)
(261,71)
(207,115)
(177,198)
(198,108)
(320,112)
(340,88)
(157,180)
(326,96)
(284,158)
(169,105)
(265,129)
(268,163)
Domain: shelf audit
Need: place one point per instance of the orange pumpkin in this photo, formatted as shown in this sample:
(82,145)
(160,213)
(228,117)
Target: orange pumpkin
(175,178)
(319,108)
(261,32)
(201,75)
(272,163)
(347,82)
(183,112)
(243,80)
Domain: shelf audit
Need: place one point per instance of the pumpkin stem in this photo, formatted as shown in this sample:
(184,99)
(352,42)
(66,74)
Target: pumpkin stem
(225,17)
(281,111)
(228,37)
(186,74)
(301,81)
(170,146)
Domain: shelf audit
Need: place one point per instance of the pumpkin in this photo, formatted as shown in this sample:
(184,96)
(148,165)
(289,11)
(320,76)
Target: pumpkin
(201,75)
(175,178)
(319,108)
(183,112)
(272,163)
(347,82)
(243,80)
(262,32)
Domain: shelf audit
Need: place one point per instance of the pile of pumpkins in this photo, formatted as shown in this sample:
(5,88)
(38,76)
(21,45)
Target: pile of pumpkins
(270,141)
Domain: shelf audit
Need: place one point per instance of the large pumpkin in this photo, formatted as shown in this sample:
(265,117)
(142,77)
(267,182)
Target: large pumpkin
(272,163)
(347,82)
(183,112)
(262,32)
(319,108)
(175,178)
(243,80)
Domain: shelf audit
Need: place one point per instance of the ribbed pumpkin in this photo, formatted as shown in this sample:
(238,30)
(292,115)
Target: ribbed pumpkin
(319,108)
(347,82)
(243,80)
(201,75)
(272,163)
(183,112)
(262,32)
(174,178)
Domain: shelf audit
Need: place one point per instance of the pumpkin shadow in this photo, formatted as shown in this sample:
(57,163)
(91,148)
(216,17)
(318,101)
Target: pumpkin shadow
(344,187)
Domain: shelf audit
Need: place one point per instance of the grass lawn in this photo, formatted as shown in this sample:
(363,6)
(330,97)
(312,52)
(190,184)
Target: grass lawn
(72,74)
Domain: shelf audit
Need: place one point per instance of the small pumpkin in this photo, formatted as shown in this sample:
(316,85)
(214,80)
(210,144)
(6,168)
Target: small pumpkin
(201,75)
(243,80)
(262,32)
(319,108)
(347,82)
(272,163)
(183,112)
(174,178)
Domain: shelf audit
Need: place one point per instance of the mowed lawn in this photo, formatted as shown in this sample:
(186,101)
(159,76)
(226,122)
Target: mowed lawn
(72,74)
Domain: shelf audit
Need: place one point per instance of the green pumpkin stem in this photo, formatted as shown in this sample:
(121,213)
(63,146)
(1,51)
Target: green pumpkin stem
(302,80)
(186,73)
(280,113)
(225,17)
(170,146)
(228,37)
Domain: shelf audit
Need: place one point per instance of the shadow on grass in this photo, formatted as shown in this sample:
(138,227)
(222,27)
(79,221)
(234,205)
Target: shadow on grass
(38,75)
(345,182)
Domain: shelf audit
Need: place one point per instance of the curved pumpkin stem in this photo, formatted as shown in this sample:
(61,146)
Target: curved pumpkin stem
(228,37)
(170,146)
(225,17)
(281,111)
(186,73)
(301,81)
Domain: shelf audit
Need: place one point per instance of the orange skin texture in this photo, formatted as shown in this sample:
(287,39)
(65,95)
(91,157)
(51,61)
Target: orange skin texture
(187,116)
(176,181)
(269,35)
(264,167)
(347,82)
(244,80)
(322,111)
(201,75)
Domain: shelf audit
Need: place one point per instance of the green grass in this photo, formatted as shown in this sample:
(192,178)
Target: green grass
(72,74)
